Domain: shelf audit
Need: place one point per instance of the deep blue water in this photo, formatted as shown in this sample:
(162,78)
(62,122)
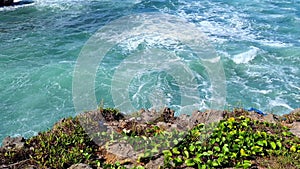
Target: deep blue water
(258,42)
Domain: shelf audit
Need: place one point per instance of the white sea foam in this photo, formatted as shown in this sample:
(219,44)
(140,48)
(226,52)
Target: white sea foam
(14,7)
(67,62)
(77,4)
(278,102)
(261,91)
(221,23)
(294,86)
(224,23)
(273,43)
(247,56)
(59,4)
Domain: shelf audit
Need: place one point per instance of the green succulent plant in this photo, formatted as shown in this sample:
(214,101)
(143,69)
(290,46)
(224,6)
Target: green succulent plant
(234,142)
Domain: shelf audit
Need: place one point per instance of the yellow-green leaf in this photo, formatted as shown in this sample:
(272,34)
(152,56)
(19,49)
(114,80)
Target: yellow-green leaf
(273,145)
(243,153)
(293,149)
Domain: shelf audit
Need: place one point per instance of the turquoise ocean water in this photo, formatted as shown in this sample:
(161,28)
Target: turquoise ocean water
(258,42)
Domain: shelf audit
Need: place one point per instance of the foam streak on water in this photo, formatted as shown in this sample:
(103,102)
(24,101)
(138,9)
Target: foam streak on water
(257,41)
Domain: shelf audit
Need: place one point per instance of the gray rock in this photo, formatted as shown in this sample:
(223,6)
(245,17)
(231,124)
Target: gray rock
(174,127)
(183,122)
(207,117)
(155,164)
(255,116)
(123,151)
(269,118)
(163,125)
(80,166)
(13,142)
(148,116)
(295,129)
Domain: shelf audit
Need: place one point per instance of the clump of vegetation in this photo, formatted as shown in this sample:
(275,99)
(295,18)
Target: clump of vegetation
(64,145)
(234,142)
(68,143)
(110,114)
